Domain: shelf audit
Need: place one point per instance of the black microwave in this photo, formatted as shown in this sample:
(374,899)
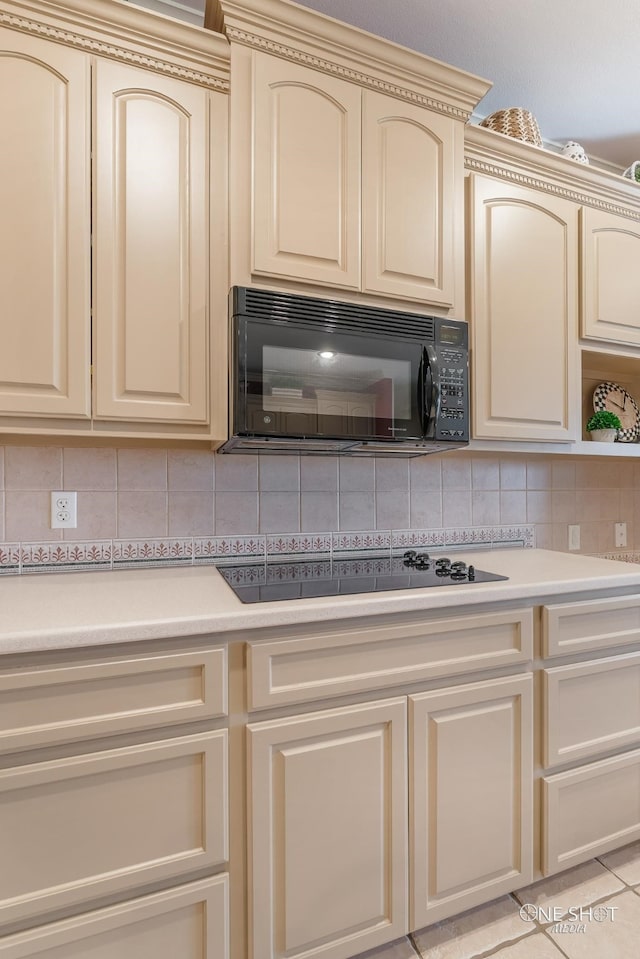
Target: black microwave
(324,376)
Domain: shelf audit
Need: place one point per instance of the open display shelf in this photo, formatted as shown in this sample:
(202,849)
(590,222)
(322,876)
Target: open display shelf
(599,366)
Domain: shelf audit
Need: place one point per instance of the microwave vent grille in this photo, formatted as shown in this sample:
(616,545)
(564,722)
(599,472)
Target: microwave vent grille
(329,314)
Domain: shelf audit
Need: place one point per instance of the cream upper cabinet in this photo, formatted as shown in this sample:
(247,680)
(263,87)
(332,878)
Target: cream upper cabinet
(312,177)
(347,158)
(306,174)
(411,200)
(113,239)
(45,251)
(471,795)
(328,822)
(523,276)
(151,299)
(610,277)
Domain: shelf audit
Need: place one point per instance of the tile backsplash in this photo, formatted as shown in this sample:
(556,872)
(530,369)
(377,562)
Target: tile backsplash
(180,497)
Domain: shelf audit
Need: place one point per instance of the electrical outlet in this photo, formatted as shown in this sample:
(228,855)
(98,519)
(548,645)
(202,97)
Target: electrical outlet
(64,510)
(574,537)
(621,534)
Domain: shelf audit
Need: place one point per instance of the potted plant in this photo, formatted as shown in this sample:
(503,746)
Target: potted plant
(604,426)
(633,172)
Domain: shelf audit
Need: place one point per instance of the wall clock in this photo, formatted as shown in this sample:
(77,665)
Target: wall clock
(613,397)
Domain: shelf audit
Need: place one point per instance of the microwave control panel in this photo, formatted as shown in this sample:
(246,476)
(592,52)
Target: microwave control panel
(453,415)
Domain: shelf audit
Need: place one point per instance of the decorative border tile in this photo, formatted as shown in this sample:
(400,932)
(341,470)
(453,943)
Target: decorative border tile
(9,558)
(524,536)
(621,557)
(463,538)
(236,549)
(152,552)
(406,538)
(64,556)
(299,543)
(362,542)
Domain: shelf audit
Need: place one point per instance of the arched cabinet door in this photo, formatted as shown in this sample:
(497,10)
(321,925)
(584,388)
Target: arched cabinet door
(412,200)
(45,209)
(306,174)
(151,247)
(610,277)
(523,278)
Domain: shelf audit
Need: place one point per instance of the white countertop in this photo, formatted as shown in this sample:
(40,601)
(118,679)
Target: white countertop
(59,610)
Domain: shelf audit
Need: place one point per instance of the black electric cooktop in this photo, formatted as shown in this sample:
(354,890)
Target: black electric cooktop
(301,579)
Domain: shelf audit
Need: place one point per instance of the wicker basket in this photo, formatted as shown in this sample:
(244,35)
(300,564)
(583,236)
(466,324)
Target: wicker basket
(515,122)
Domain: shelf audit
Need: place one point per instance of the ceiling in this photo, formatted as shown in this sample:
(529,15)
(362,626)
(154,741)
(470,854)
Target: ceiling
(575,64)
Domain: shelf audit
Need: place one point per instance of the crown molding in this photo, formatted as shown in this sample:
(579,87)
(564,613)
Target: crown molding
(129,34)
(296,33)
(498,155)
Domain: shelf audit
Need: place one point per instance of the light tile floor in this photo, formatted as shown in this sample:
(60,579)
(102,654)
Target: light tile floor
(603,895)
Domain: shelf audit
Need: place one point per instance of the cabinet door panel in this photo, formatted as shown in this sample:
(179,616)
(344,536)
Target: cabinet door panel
(328,831)
(471,820)
(306,174)
(412,198)
(46,228)
(524,313)
(610,277)
(151,183)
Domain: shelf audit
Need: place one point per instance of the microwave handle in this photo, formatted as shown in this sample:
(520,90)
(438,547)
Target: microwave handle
(430,401)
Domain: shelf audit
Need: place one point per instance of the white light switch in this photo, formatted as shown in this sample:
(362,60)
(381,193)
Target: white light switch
(574,537)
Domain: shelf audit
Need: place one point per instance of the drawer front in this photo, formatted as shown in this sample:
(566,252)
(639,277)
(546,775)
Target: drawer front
(353,659)
(590,810)
(591,708)
(595,624)
(92,825)
(187,922)
(40,707)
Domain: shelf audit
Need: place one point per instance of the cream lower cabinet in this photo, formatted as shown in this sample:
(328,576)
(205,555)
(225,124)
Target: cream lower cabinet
(111,805)
(590,709)
(471,775)
(328,822)
(113,244)
(523,275)
(610,277)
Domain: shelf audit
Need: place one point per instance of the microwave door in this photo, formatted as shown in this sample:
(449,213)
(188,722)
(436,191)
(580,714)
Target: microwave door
(320,382)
